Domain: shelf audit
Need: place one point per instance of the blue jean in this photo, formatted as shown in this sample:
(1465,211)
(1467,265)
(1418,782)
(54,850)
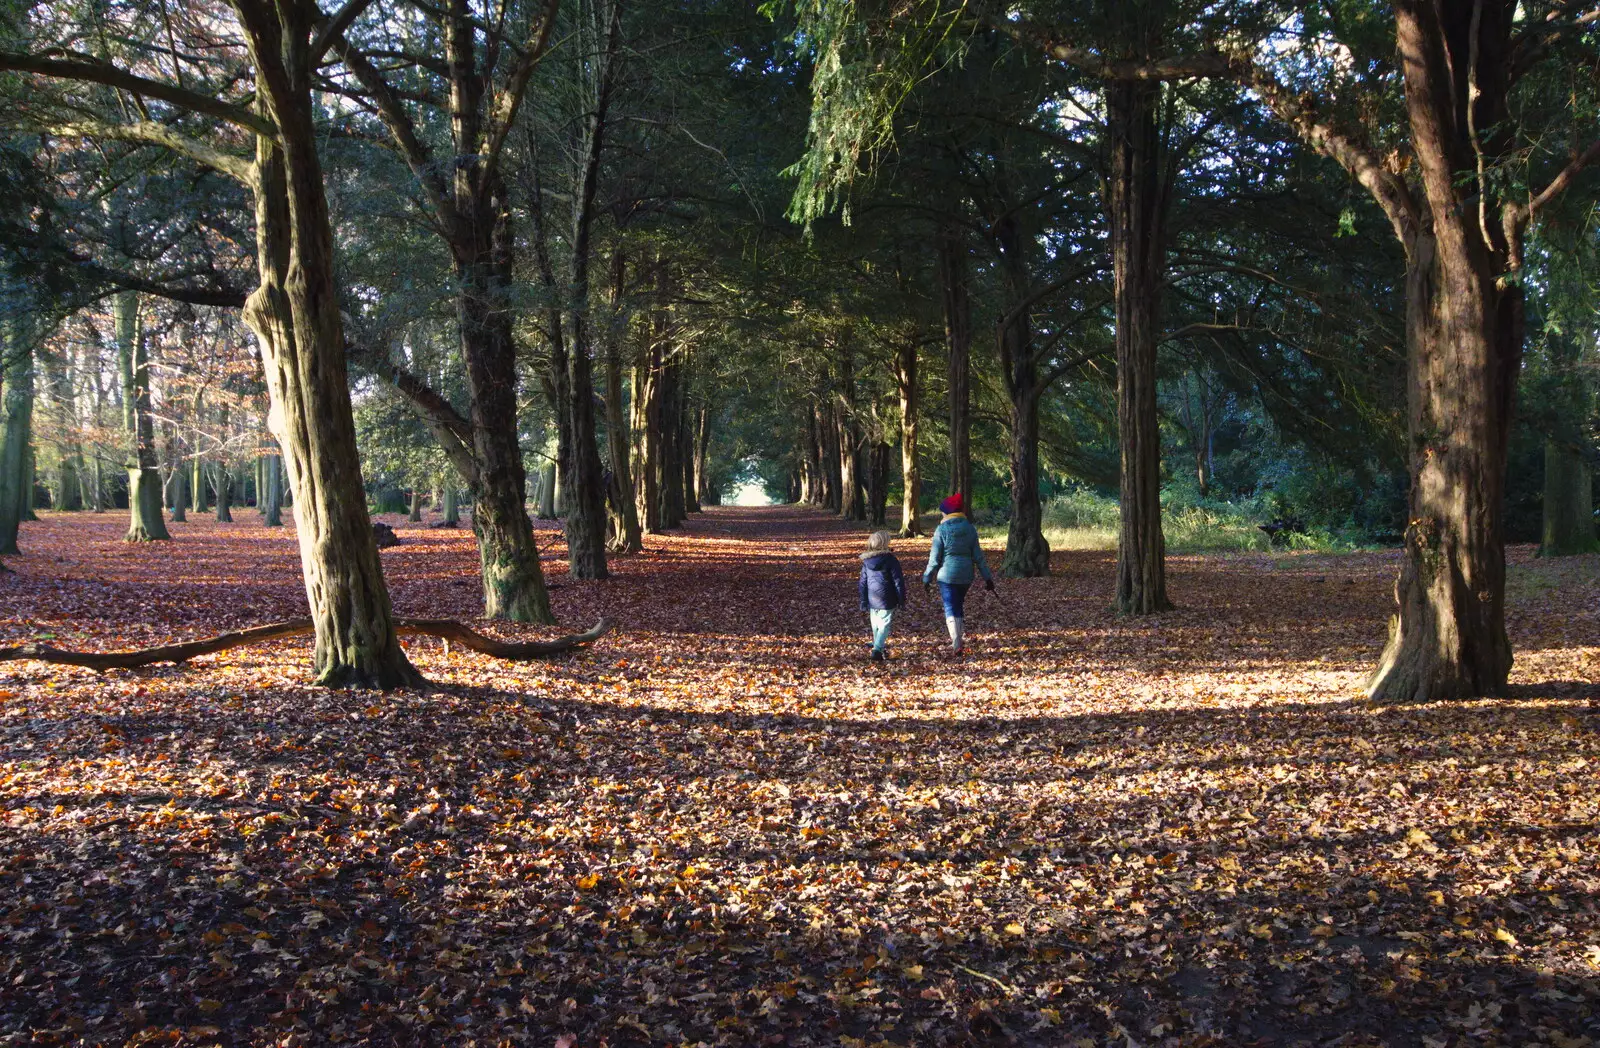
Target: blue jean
(881,622)
(954,596)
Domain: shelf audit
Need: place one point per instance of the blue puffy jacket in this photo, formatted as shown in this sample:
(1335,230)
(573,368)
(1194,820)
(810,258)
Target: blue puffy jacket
(955,553)
(883,586)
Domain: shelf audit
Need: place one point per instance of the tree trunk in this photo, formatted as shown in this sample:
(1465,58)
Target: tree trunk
(1027,553)
(690,435)
(878,484)
(852,503)
(952,259)
(623,530)
(586,488)
(198,499)
(832,463)
(224,493)
(1448,638)
(414,510)
(272,515)
(452,509)
(811,486)
(702,445)
(669,484)
(508,555)
(905,374)
(68,493)
(547,492)
(294,313)
(180,492)
(145,521)
(1138,247)
(1464,335)
(16,426)
(1568,504)
(644,413)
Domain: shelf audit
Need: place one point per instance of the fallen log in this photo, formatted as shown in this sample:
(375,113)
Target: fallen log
(449,630)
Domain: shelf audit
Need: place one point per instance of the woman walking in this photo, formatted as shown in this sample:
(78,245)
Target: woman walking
(951,561)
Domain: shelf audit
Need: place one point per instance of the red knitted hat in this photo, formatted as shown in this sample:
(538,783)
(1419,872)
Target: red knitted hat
(952,504)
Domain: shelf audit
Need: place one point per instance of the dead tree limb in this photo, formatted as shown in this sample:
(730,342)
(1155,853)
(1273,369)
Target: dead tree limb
(445,629)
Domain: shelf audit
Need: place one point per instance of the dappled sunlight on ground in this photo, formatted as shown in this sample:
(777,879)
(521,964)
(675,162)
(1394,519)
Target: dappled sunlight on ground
(723,825)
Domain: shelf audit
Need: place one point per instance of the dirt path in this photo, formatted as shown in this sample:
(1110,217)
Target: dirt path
(723,826)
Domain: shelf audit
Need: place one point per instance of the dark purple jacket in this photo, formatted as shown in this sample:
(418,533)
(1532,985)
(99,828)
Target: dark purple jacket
(883,587)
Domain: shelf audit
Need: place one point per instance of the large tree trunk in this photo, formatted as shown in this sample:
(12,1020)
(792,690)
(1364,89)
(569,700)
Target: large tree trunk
(905,375)
(1448,638)
(1464,333)
(952,258)
(294,313)
(145,521)
(1568,504)
(1138,248)
(645,421)
(16,426)
(508,555)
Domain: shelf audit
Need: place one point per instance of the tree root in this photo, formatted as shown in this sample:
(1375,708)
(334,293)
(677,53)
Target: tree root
(448,630)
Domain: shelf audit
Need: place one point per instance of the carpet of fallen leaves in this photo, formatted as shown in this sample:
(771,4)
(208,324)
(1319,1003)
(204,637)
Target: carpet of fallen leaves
(723,826)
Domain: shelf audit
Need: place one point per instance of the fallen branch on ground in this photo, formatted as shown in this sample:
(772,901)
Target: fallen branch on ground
(446,629)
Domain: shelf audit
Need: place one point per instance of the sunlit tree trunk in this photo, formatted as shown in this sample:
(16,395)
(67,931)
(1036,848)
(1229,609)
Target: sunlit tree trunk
(294,312)
(1137,200)
(906,383)
(452,509)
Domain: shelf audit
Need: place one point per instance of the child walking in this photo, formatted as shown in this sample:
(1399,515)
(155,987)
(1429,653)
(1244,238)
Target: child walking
(883,590)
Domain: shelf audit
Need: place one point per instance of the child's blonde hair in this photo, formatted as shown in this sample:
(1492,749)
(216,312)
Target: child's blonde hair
(878,542)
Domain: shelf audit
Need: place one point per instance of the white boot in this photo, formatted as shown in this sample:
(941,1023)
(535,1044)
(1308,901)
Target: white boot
(954,627)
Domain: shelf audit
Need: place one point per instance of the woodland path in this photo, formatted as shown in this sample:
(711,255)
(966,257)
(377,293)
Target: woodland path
(722,825)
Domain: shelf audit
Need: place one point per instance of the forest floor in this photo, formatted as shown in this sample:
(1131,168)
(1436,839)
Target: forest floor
(722,825)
